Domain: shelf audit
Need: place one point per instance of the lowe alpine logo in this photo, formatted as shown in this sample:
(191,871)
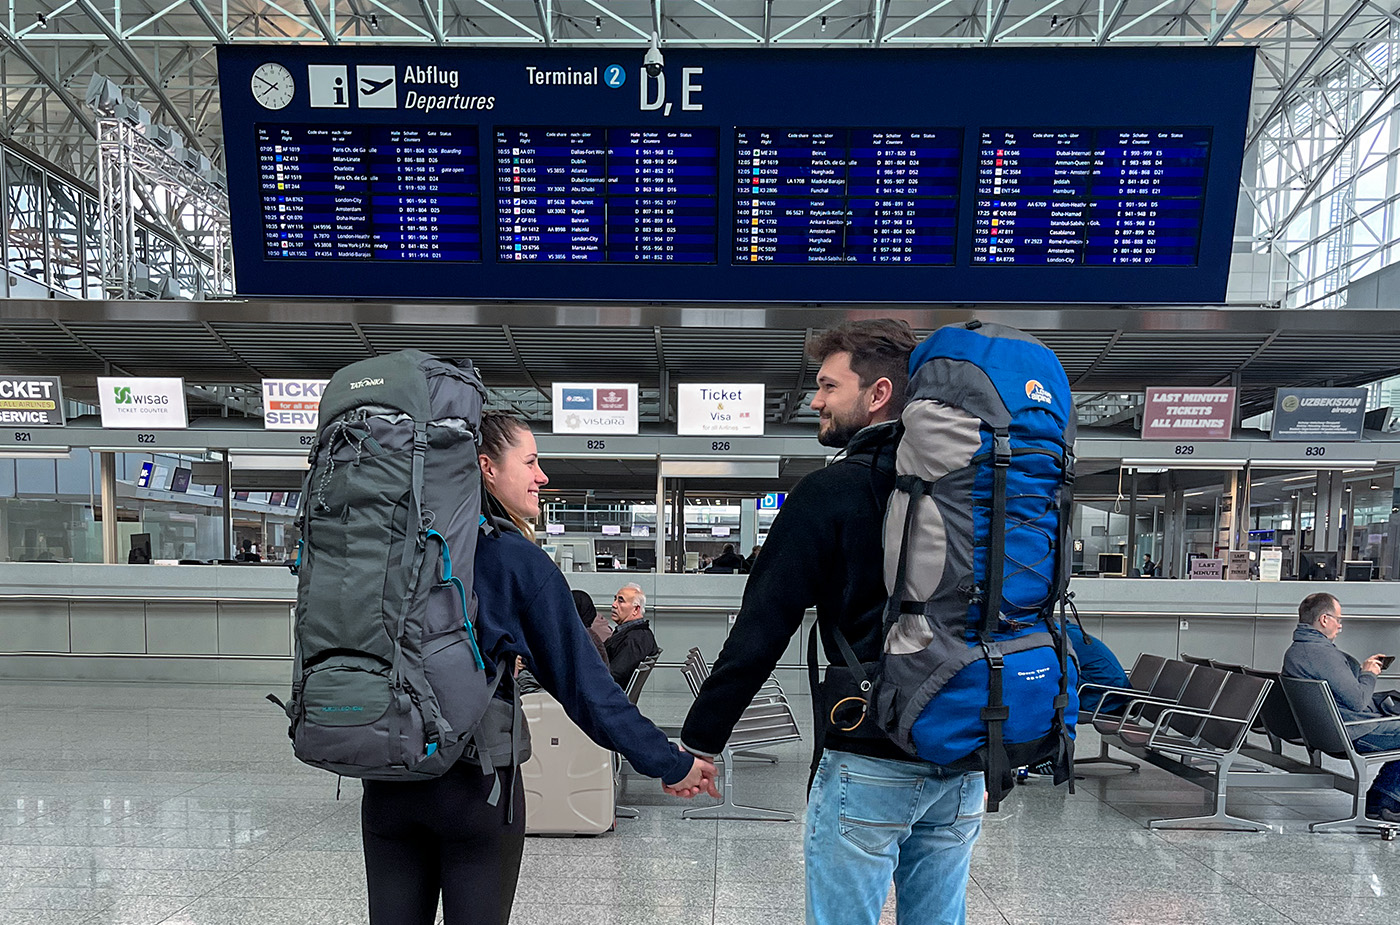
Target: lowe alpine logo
(1037,392)
(366,382)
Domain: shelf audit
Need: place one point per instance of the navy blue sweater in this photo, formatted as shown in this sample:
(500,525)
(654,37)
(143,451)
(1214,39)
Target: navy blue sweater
(526,609)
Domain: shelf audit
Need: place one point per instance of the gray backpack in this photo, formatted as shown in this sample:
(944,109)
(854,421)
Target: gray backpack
(388,680)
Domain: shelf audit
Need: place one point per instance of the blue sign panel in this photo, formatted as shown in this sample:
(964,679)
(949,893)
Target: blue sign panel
(772,501)
(1067,175)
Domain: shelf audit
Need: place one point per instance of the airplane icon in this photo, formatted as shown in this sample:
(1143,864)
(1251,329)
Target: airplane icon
(370,87)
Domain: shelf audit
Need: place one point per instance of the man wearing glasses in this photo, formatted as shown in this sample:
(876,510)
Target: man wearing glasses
(1314,655)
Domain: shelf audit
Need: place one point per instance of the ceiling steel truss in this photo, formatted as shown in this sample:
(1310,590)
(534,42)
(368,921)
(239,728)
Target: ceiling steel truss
(1306,136)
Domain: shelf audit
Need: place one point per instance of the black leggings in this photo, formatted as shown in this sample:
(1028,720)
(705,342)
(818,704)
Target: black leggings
(441,836)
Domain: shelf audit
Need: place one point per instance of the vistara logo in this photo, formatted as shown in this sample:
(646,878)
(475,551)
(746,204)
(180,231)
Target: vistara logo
(122,393)
(366,382)
(1037,392)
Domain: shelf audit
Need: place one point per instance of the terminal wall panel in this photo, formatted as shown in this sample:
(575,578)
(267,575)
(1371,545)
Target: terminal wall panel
(1273,635)
(182,628)
(34,626)
(263,629)
(1225,639)
(116,627)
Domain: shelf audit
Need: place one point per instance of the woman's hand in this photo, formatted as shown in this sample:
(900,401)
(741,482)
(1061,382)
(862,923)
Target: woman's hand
(701,779)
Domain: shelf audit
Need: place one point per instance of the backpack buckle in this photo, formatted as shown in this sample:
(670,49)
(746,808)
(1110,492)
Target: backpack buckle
(1001,450)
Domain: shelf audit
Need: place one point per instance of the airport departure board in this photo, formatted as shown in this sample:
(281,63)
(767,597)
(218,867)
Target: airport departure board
(615,195)
(824,195)
(1097,197)
(344,192)
(735,176)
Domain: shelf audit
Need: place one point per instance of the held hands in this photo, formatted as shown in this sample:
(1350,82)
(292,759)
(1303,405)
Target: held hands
(1373,664)
(701,779)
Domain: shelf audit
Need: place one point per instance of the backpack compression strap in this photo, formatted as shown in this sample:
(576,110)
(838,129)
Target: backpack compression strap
(1064,766)
(995,713)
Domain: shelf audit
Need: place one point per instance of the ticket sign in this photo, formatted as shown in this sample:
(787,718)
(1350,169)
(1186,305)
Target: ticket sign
(1318,414)
(142,403)
(31,401)
(1209,569)
(704,410)
(1188,414)
(292,404)
(595,408)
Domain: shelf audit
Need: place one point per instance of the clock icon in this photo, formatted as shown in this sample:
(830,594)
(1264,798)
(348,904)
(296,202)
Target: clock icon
(272,86)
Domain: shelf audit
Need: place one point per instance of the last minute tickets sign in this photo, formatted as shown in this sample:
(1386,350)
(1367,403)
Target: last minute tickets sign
(1188,414)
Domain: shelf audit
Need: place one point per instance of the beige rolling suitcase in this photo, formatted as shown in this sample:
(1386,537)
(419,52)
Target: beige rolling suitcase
(569,778)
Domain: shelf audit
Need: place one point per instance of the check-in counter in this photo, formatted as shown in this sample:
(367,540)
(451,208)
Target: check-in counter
(233,623)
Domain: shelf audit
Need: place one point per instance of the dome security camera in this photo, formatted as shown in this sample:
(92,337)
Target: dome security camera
(653,61)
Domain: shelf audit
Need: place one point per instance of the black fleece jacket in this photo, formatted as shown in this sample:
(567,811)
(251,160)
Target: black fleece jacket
(526,610)
(825,549)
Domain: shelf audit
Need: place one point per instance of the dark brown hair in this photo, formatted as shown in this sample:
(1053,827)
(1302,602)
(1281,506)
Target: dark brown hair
(879,349)
(1314,606)
(498,430)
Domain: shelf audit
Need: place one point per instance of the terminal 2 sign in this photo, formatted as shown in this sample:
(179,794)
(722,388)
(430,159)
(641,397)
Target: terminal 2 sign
(1188,414)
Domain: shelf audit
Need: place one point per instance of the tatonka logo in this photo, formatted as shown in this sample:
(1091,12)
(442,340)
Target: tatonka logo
(364,382)
(123,394)
(1037,392)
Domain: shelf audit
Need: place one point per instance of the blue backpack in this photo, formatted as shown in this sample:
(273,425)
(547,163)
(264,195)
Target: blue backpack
(976,672)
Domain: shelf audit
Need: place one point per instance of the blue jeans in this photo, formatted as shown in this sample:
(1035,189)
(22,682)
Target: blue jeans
(1385,789)
(870,820)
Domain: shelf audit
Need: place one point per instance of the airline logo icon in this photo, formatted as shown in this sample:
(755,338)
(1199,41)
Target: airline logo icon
(375,86)
(612,400)
(578,399)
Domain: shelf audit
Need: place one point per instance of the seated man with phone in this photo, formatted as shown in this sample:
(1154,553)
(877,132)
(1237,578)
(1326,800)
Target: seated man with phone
(1315,655)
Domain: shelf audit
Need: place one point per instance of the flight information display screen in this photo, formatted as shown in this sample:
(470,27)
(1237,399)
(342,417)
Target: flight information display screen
(1095,197)
(829,195)
(730,176)
(612,195)
(346,192)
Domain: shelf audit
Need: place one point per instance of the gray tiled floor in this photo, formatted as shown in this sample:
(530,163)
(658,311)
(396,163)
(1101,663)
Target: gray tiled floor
(143,804)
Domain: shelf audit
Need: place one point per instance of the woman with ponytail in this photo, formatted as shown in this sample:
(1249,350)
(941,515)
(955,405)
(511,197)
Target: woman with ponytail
(462,835)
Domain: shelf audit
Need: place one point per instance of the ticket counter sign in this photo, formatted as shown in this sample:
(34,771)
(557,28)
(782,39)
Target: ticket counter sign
(292,404)
(130,403)
(712,409)
(595,407)
(1316,415)
(1188,414)
(1207,569)
(31,401)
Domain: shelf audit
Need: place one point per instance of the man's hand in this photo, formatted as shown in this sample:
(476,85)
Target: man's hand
(701,779)
(1373,664)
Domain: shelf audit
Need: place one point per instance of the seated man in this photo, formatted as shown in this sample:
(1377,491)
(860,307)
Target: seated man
(729,559)
(633,640)
(1314,655)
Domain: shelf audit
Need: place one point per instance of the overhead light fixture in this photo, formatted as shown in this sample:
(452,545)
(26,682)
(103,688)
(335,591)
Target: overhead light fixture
(103,95)
(43,20)
(38,452)
(823,23)
(1184,463)
(597,24)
